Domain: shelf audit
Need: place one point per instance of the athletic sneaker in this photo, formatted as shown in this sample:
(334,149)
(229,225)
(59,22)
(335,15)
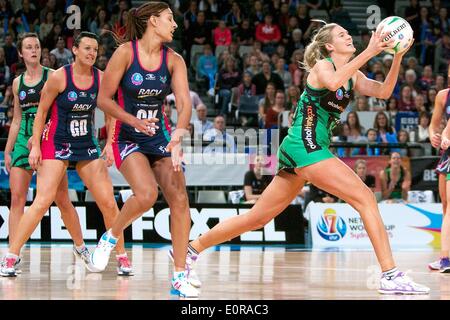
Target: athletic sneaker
(435,265)
(401,284)
(444,265)
(124,267)
(100,256)
(85,256)
(183,288)
(191,275)
(7,266)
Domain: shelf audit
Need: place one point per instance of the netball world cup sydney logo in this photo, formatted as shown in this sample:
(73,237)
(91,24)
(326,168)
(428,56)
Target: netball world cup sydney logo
(331,227)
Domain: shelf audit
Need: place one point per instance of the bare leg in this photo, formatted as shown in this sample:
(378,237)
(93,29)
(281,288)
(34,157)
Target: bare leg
(173,186)
(443,191)
(68,213)
(445,228)
(335,177)
(136,170)
(49,176)
(94,174)
(277,196)
(19,181)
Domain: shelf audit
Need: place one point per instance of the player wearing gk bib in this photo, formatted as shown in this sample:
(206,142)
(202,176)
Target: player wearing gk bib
(442,109)
(141,93)
(27,90)
(143,71)
(304,154)
(68,136)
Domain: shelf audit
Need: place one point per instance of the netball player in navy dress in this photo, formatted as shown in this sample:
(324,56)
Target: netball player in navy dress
(143,71)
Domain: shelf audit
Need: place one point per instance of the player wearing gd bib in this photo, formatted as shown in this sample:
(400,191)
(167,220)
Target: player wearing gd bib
(27,91)
(304,155)
(71,92)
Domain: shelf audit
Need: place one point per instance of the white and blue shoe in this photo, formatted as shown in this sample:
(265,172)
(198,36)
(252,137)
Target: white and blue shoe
(85,256)
(191,275)
(182,287)
(100,256)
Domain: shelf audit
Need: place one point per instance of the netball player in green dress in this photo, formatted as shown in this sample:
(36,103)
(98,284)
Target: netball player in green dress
(304,154)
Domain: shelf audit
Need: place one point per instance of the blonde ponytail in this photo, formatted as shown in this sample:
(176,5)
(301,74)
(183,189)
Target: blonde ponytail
(316,50)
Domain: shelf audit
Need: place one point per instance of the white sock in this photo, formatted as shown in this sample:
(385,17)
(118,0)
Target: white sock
(389,274)
(12,255)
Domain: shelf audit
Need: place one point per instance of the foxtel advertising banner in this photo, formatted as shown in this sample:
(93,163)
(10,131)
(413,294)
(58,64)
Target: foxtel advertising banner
(153,226)
(407,225)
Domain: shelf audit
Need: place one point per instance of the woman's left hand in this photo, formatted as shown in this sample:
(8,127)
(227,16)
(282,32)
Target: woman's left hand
(406,50)
(174,147)
(108,154)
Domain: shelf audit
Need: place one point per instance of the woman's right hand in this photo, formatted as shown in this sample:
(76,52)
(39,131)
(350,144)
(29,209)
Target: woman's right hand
(436,140)
(146,126)
(8,162)
(35,157)
(445,143)
(376,43)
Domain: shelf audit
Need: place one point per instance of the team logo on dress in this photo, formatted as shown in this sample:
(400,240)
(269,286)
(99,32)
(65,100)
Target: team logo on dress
(162,149)
(128,149)
(31,91)
(331,227)
(72,96)
(163,79)
(64,153)
(137,79)
(83,94)
(92,151)
(339,94)
(93,96)
(22,95)
(150,76)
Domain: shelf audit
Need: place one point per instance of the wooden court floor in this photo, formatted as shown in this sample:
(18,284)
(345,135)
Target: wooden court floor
(228,273)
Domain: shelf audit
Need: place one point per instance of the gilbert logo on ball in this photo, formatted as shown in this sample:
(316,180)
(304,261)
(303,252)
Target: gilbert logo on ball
(398,29)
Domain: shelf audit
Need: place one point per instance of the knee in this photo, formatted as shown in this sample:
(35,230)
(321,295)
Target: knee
(63,202)
(18,199)
(147,199)
(364,198)
(42,203)
(178,202)
(256,223)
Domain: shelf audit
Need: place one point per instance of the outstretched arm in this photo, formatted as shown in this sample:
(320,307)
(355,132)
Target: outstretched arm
(324,75)
(381,90)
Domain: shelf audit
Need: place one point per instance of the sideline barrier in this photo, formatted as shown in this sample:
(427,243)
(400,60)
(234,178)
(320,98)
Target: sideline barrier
(153,226)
